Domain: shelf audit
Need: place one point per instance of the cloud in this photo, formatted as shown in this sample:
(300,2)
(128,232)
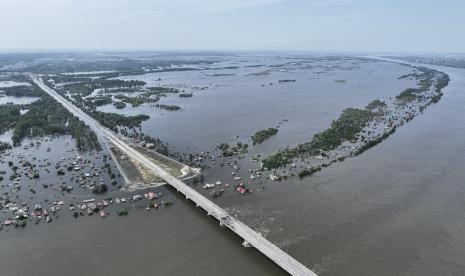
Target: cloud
(327,3)
(157,6)
(207,6)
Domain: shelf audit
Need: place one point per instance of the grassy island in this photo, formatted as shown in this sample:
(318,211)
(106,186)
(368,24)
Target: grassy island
(170,107)
(119,105)
(185,95)
(228,150)
(262,135)
(146,97)
(350,123)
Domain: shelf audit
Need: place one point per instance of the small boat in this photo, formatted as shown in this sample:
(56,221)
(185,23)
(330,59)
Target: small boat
(36,213)
(137,197)
(218,193)
(104,214)
(241,190)
(208,186)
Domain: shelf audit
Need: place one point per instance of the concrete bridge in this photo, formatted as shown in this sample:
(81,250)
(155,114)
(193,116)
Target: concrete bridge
(252,238)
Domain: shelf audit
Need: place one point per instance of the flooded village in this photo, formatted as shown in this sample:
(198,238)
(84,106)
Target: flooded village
(39,184)
(232,137)
(49,178)
(190,118)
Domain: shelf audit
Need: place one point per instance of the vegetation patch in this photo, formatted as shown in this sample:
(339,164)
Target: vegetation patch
(262,135)
(100,100)
(408,95)
(185,95)
(4,146)
(119,105)
(45,117)
(9,114)
(239,148)
(147,97)
(113,120)
(376,104)
(22,91)
(87,87)
(350,123)
(170,107)
(442,82)
(308,172)
(371,143)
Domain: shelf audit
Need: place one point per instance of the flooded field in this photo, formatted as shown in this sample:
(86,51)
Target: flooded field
(396,209)
(7,99)
(16,100)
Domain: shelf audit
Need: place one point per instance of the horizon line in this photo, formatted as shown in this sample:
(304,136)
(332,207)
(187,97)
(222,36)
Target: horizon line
(223,51)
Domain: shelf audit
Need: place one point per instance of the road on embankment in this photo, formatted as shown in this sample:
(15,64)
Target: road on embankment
(274,253)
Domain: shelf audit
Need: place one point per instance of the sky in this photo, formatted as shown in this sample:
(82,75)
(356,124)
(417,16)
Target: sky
(411,26)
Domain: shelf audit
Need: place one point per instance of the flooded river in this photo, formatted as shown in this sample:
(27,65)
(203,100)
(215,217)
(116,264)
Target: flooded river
(397,209)
(233,104)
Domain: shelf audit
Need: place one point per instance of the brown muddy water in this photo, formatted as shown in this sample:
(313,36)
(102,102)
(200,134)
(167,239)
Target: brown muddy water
(397,209)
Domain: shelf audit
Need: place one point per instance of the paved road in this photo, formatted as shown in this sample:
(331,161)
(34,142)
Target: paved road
(253,238)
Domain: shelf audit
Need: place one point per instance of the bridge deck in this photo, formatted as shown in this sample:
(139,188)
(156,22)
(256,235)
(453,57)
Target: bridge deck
(267,248)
